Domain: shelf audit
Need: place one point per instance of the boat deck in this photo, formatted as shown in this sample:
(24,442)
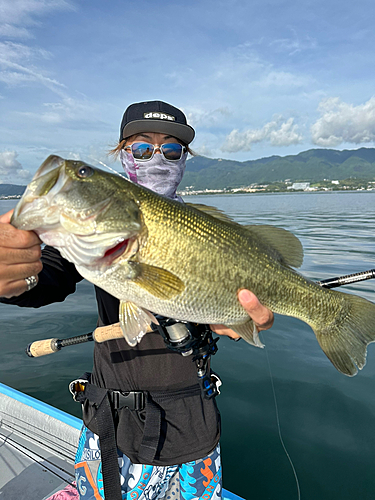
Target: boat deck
(37,448)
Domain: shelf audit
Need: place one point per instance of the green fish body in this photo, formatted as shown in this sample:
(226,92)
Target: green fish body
(183,261)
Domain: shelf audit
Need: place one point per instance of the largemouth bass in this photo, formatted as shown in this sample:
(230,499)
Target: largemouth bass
(182,261)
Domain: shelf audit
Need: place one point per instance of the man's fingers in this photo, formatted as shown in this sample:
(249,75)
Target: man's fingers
(5,218)
(262,317)
(10,237)
(14,288)
(224,330)
(19,271)
(20,256)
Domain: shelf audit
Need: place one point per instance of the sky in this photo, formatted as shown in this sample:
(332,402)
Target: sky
(255,78)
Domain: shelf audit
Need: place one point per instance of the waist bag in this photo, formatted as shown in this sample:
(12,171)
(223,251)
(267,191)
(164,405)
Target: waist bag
(100,416)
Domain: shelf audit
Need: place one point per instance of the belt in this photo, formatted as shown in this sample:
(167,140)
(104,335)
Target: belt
(107,400)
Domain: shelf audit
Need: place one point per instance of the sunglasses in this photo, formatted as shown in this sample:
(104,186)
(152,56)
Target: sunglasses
(144,151)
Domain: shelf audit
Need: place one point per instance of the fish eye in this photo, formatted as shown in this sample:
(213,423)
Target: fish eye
(84,172)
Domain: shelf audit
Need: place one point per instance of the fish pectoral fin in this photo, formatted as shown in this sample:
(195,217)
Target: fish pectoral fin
(249,332)
(135,322)
(159,282)
(286,244)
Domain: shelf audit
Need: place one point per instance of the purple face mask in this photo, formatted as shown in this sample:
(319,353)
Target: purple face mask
(161,175)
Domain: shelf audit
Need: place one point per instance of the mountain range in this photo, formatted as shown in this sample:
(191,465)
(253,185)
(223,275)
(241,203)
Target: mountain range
(310,166)
(11,190)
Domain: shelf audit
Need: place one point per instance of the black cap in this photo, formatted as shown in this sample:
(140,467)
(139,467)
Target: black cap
(155,116)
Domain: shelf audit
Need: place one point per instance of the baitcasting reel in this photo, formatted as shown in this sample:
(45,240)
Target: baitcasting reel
(193,339)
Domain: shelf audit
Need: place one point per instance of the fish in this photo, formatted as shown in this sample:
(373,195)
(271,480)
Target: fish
(184,261)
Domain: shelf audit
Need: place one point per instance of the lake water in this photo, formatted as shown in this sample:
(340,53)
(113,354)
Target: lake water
(327,420)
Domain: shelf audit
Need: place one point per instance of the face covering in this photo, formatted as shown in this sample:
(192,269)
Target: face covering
(158,174)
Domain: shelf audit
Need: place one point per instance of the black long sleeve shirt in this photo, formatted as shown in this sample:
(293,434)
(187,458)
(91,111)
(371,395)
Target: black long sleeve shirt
(191,425)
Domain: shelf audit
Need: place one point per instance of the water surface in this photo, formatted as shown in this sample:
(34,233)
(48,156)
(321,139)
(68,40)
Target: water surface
(326,419)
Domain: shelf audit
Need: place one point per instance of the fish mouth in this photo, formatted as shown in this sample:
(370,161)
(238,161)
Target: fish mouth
(84,230)
(35,209)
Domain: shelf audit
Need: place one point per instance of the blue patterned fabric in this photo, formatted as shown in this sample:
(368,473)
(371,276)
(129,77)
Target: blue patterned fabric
(200,479)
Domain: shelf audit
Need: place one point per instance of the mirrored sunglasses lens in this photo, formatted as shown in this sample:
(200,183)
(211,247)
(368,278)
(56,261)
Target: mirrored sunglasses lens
(172,151)
(142,150)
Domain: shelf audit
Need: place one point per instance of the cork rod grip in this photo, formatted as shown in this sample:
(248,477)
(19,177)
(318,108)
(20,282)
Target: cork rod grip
(42,348)
(100,334)
(110,332)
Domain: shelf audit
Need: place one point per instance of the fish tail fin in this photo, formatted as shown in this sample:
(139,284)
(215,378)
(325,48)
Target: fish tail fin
(345,339)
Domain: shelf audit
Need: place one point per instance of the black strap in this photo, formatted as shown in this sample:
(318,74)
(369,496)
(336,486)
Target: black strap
(105,423)
(151,432)
(107,440)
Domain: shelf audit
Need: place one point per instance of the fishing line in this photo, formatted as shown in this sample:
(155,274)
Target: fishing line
(279,428)
(109,168)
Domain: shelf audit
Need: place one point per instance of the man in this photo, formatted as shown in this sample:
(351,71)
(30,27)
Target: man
(167,432)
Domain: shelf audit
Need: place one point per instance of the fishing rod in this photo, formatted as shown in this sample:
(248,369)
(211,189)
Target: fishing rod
(103,333)
(347,280)
(49,346)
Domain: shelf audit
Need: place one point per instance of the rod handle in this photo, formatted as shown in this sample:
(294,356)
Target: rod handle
(110,332)
(42,348)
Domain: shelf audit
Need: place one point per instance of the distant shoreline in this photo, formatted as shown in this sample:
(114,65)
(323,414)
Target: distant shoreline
(270,191)
(239,191)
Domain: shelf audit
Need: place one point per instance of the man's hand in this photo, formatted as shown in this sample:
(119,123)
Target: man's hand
(19,257)
(262,317)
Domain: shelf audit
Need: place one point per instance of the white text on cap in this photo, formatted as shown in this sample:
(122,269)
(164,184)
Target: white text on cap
(160,116)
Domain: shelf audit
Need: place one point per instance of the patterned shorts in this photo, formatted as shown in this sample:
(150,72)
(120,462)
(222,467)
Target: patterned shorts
(196,480)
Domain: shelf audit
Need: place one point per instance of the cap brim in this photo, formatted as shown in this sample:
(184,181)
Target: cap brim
(183,132)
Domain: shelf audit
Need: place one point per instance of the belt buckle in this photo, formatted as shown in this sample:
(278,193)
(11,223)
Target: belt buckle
(133,400)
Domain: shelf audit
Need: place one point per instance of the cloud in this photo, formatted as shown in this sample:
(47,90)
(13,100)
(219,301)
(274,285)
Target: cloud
(294,44)
(17,16)
(278,79)
(206,119)
(11,169)
(15,67)
(9,31)
(18,52)
(342,122)
(277,132)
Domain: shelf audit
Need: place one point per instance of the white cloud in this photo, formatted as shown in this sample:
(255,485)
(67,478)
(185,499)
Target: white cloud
(283,79)
(202,118)
(19,52)
(294,44)
(342,122)
(203,150)
(16,66)
(277,132)
(11,169)
(66,110)
(19,15)
(10,31)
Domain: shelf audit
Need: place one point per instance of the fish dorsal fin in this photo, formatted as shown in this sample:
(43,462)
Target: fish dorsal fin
(159,282)
(287,245)
(213,211)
